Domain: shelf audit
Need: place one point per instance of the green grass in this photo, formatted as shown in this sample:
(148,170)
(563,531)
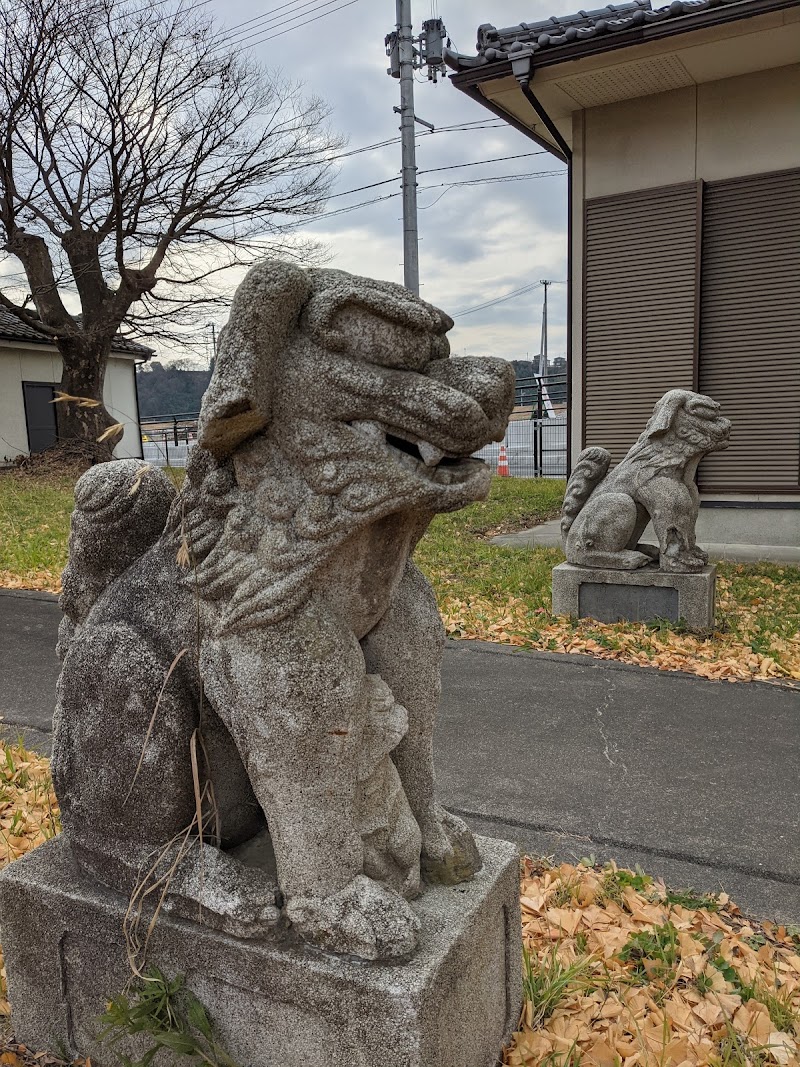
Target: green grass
(653,953)
(34,525)
(546,981)
(687,898)
(458,558)
(615,882)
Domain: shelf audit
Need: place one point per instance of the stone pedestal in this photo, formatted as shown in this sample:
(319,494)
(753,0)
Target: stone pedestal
(454,1004)
(635,596)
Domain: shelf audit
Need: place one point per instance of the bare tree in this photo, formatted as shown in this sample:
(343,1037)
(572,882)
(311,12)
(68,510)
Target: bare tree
(139,157)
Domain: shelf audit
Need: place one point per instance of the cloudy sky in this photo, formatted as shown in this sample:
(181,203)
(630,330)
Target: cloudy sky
(479,242)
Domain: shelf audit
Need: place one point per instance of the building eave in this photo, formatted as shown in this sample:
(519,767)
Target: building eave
(140,354)
(470,70)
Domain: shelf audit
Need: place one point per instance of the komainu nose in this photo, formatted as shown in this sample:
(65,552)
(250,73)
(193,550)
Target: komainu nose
(487,380)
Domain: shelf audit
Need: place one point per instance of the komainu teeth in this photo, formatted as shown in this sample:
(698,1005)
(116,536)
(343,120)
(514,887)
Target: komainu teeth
(431,455)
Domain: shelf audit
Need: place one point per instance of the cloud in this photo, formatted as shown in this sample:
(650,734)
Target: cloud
(477,242)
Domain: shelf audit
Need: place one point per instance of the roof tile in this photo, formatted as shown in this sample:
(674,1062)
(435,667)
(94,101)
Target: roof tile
(12,329)
(496,45)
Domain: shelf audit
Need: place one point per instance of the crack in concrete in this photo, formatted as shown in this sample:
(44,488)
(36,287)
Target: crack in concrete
(608,744)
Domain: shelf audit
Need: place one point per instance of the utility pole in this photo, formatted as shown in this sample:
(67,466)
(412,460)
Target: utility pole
(408,140)
(405,58)
(543,345)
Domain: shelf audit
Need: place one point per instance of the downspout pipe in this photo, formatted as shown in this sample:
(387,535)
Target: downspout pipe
(522,67)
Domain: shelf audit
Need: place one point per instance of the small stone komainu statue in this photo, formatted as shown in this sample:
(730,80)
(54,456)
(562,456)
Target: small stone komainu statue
(605,513)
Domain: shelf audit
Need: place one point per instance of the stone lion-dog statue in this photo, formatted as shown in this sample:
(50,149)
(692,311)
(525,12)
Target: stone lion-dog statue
(257,654)
(605,514)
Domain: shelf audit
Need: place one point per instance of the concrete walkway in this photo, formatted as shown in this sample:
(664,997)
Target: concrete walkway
(548,535)
(696,781)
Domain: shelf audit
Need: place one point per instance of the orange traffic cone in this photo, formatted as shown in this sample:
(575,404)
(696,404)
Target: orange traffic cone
(502,463)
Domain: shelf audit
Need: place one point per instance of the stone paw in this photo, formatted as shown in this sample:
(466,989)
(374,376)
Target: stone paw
(226,896)
(364,919)
(687,564)
(449,852)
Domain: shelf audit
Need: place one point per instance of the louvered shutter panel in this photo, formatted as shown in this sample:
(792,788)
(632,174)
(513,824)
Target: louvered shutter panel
(750,329)
(640,312)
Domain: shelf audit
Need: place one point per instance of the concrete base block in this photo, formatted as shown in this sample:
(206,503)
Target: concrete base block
(635,596)
(454,1004)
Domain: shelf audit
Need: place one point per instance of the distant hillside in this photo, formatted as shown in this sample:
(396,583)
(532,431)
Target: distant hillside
(173,389)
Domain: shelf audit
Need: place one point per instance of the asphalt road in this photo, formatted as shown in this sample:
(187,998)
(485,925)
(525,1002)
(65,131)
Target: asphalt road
(697,781)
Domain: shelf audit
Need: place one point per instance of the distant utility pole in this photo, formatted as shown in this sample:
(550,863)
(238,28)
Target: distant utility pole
(213,344)
(543,345)
(406,54)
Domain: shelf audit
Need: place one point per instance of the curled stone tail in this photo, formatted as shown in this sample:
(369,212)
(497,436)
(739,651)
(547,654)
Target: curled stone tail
(589,471)
(120,511)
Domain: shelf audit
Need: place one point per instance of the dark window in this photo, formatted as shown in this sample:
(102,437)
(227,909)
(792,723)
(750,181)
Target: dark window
(40,415)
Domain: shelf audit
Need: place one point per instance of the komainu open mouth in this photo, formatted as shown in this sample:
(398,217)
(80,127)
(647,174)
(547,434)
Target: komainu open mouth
(417,455)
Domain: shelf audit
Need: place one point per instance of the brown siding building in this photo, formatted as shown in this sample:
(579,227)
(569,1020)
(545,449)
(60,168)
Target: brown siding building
(681,128)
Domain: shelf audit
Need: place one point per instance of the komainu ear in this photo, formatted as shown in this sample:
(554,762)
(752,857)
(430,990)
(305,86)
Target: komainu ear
(264,314)
(665,411)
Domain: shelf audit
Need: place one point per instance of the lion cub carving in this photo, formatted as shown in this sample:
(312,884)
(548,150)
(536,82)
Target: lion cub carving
(605,514)
(257,656)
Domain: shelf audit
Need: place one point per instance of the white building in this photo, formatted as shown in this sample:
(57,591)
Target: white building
(30,372)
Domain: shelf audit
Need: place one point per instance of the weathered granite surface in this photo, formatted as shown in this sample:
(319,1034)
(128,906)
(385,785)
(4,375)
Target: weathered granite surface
(605,514)
(635,596)
(452,1004)
(258,650)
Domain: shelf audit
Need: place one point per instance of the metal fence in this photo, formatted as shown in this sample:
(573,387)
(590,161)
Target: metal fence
(541,397)
(534,448)
(167,439)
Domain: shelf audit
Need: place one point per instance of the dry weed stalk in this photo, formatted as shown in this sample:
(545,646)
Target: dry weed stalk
(206,807)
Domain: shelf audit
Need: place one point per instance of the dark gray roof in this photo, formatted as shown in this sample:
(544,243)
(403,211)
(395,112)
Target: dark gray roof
(12,329)
(562,31)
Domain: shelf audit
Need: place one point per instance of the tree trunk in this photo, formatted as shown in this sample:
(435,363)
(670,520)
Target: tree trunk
(83,419)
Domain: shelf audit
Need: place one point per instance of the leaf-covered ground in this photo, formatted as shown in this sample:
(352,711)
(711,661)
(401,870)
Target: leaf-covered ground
(493,593)
(619,971)
(622,972)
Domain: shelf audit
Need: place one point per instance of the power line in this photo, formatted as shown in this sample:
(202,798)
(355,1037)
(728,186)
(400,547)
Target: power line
(503,178)
(450,185)
(299,26)
(344,210)
(460,128)
(507,296)
(269,21)
(363,188)
(498,300)
(391,196)
(263,15)
(482,162)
